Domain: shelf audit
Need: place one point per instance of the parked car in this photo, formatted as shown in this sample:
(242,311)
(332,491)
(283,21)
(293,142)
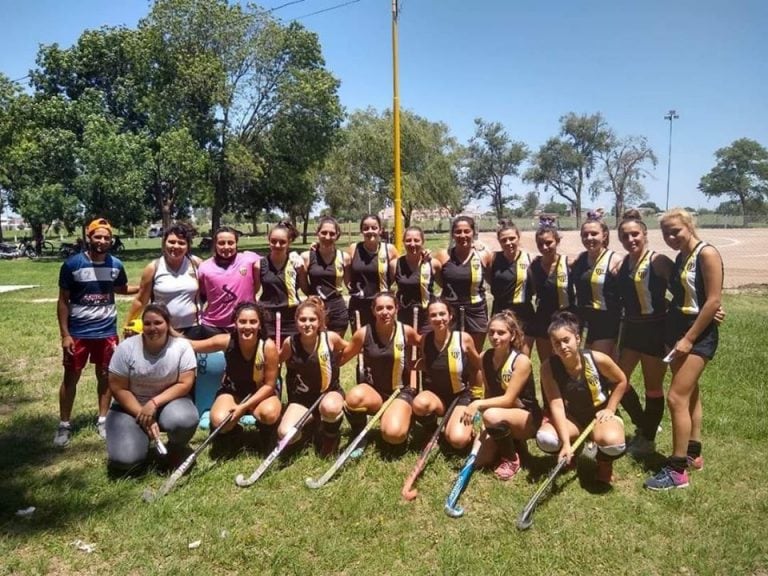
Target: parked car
(155,232)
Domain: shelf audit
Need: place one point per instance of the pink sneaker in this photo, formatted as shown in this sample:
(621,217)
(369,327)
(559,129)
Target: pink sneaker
(507,468)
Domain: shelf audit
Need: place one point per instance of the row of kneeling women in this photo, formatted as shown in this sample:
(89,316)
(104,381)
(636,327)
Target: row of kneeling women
(619,300)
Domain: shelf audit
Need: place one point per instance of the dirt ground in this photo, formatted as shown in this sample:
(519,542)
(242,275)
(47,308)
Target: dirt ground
(744,251)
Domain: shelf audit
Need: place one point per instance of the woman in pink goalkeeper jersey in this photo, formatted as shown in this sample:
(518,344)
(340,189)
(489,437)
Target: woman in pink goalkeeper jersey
(225,279)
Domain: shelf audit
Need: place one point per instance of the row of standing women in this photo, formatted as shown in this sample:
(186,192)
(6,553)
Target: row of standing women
(596,286)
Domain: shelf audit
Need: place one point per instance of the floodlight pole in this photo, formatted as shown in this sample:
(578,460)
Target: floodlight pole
(397,200)
(671,115)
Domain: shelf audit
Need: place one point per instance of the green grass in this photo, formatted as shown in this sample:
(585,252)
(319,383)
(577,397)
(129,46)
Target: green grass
(358,524)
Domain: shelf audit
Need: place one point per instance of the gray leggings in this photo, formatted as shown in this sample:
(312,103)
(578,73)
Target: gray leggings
(128,444)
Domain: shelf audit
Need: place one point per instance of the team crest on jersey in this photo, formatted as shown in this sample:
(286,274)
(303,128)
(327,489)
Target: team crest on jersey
(690,266)
(291,272)
(258,364)
(599,271)
(425,275)
(455,353)
(400,346)
(643,274)
(324,356)
(243,270)
(506,377)
(561,278)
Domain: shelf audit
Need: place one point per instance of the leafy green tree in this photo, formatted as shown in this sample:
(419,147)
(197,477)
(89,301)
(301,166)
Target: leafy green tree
(741,173)
(566,162)
(530,203)
(360,168)
(492,157)
(650,206)
(623,165)
(9,92)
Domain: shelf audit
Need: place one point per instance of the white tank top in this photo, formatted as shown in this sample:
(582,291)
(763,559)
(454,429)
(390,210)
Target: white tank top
(178,291)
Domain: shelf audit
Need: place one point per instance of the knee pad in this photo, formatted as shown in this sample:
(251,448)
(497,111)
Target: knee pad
(613,450)
(548,441)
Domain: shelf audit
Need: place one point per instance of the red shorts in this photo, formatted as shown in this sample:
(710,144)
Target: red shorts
(99,350)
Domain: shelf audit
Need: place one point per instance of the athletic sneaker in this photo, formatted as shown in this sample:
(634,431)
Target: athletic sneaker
(359,450)
(667,479)
(640,446)
(604,471)
(101,427)
(507,468)
(63,436)
(696,463)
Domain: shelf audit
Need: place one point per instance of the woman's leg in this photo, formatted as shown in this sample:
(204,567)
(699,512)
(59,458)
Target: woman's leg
(360,401)
(504,426)
(220,410)
(609,437)
(331,411)
(682,402)
(179,418)
(654,370)
(628,361)
(396,422)
(127,443)
(293,414)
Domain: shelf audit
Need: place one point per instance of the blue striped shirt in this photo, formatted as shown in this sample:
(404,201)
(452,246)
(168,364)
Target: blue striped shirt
(91,287)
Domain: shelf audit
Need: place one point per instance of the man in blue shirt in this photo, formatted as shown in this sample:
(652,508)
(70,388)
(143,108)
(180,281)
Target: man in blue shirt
(87,318)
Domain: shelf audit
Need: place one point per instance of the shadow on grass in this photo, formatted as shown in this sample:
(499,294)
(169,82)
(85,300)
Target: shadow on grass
(64,485)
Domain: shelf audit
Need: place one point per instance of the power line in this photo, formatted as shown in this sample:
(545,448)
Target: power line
(335,7)
(286,4)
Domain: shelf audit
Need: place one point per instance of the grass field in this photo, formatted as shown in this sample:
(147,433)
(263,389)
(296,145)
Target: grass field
(358,524)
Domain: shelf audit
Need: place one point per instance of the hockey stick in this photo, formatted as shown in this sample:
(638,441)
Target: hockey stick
(461,318)
(278,341)
(525,519)
(451,507)
(243,482)
(148,496)
(409,492)
(312,483)
(360,360)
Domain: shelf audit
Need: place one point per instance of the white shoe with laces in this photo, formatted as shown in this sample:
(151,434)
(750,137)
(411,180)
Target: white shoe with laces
(63,436)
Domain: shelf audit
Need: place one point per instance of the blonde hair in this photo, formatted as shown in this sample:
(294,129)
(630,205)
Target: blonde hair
(685,217)
(508,318)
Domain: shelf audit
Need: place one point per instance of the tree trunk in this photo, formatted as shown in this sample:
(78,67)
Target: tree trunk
(305,227)
(255,224)
(743,200)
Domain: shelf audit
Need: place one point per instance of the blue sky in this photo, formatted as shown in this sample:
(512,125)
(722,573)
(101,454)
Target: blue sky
(522,63)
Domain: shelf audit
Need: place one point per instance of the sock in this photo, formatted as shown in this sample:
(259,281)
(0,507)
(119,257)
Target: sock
(331,427)
(357,419)
(610,452)
(101,419)
(267,433)
(65,424)
(654,412)
(631,403)
(677,463)
(694,448)
(428,422)
(502,435)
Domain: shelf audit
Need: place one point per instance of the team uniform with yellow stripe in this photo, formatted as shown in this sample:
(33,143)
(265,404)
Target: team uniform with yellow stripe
(446,372)
(386,368)
(512,287)
(553,291)
(642,294)
(310,374)
(369,274)
(597,299)
(497,380)
(279,293)
(688,296)
(242,376)
(463,287)
(584,396)
(415,289)
(326,280)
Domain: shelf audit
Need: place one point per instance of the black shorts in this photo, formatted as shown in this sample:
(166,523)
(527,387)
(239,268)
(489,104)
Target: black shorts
(287,322)
(643,336)
(523,312)
(600,324)
(204,332)
(336,314)
(365,307)
(465,397)
(677,325)
(306,399)
(405,315)
(542,318)
(475,317)
(407,393)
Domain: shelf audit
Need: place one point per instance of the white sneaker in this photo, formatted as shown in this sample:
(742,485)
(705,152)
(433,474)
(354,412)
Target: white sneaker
(63,436)
(101,427)
(590,450)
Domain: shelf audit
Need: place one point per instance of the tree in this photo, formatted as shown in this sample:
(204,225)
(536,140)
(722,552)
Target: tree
(566,163)
(651,206)
(360,169)
(623,166)
(530,203)
(275,105)
(9,91)
(491,158)
(741,173)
